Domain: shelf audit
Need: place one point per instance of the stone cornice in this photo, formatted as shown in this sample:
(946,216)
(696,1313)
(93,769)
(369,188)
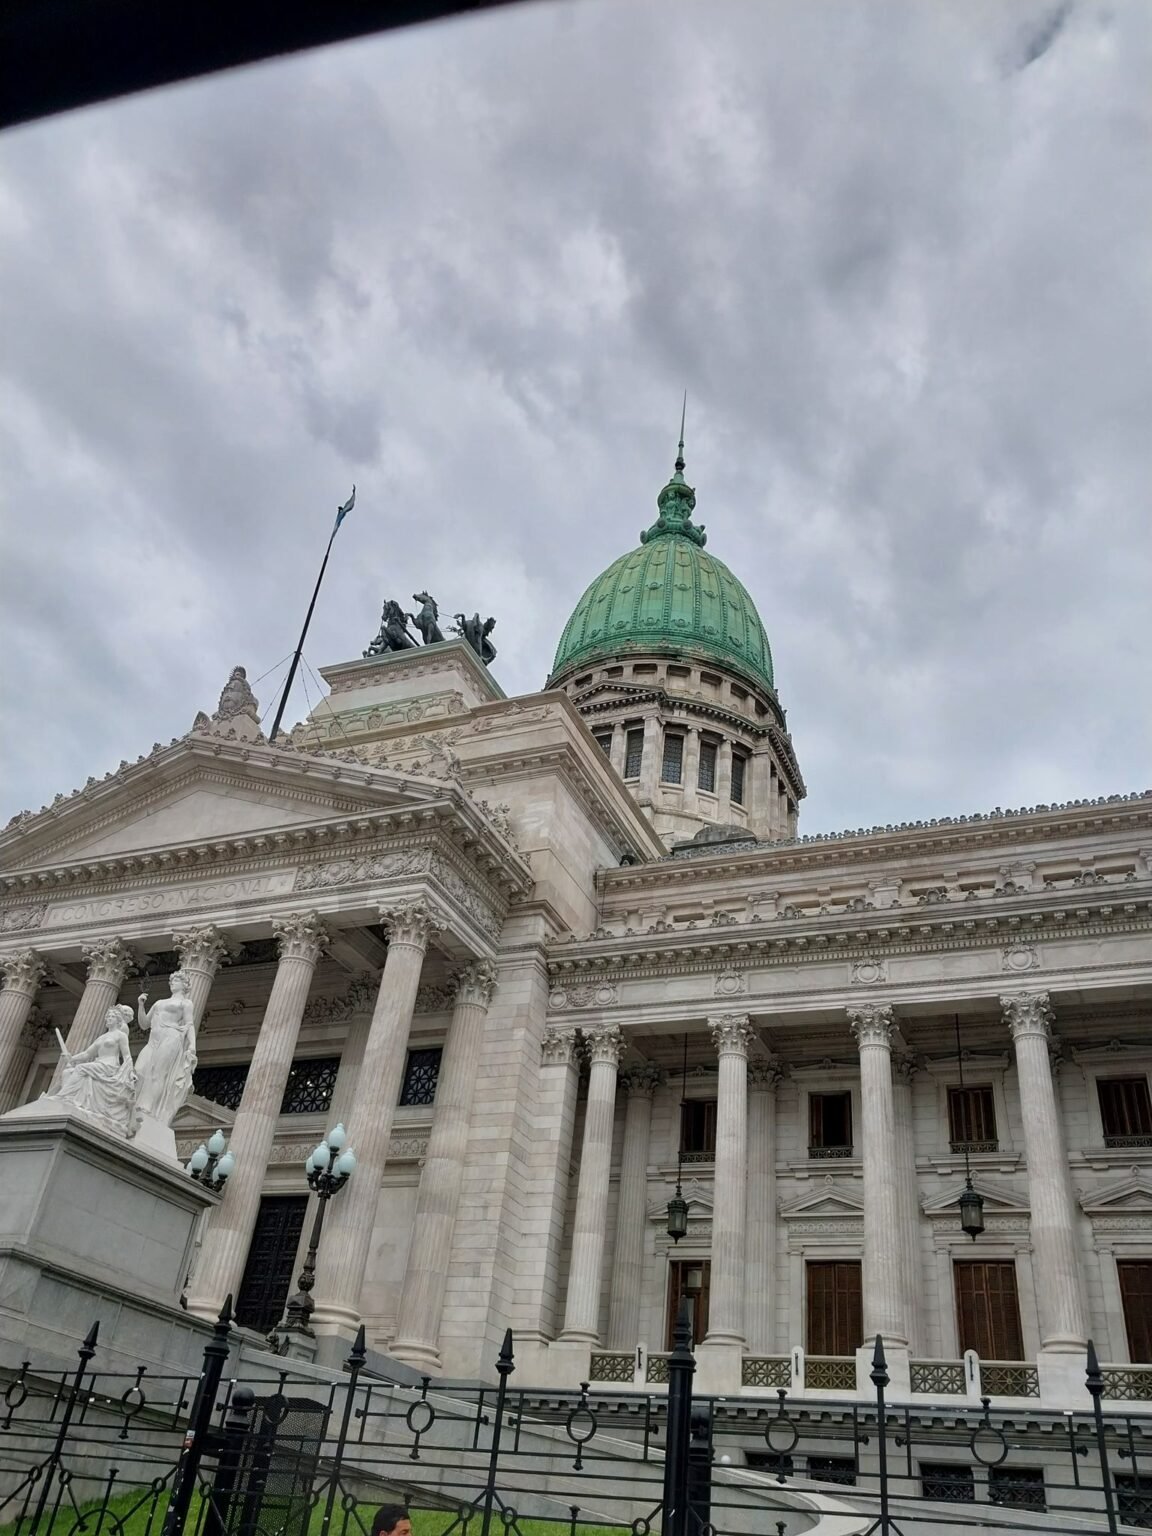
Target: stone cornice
(804,939)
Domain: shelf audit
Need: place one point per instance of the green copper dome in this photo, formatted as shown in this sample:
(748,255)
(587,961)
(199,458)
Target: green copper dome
(669,595)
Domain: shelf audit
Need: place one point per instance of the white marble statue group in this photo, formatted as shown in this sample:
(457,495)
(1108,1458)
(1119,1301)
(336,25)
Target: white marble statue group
(101,1080)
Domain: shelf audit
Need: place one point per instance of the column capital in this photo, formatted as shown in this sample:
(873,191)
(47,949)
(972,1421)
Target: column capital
(203,948)
(1027,1013)
(475,983)
(764,1076)
(641,1080)
(301,936)
(108,960)
(23,971)
(558,1047)
(412,921)
(871,1024)
(731,1033)
(605,1043)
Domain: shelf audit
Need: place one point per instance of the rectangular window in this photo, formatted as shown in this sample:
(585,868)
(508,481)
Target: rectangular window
(1136,1297)
(672,767)
(1017,1487)
(633,754)
(988,1309)
(421,1074)
(698,1128)
(604,742)
(1125,1111)
(271,1261)
(706,777)
(835,1318)
(223,1085)
(309,1087)
(1133,1497)
(833,1469)
(691,1278)
(948,1481)
(972,1119)
(829,1125)
(739,765)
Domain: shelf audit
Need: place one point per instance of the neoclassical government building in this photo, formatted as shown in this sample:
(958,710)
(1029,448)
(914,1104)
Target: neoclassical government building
(550,958)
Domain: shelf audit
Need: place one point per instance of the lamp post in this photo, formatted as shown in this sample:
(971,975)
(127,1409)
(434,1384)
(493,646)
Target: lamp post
(328,1168)
(678,1207)
(971,1201)
(211,1163)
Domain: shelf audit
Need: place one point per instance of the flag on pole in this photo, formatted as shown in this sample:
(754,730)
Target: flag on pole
(342,512)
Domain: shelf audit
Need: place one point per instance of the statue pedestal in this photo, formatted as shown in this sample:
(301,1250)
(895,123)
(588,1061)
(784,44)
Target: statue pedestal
(158,1139)
(93,1227)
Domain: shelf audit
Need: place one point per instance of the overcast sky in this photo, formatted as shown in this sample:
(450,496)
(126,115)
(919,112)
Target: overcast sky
(898,253)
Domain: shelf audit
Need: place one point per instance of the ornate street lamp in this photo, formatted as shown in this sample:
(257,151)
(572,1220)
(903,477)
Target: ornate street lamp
(328,1168)
(678,1206)
(971,1203)
(211,1163)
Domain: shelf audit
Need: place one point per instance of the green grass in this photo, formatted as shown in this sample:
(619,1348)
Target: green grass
(139,1514)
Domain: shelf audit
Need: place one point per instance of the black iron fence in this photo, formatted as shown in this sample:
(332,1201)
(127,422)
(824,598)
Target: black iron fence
(277,1454)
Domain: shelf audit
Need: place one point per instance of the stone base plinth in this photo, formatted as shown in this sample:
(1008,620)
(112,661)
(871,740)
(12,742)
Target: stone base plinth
(898,1359)
(94,1229)
(1061,1375)
(718,1368)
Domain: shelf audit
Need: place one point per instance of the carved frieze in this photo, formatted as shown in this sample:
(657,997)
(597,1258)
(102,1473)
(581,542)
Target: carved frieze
(1019,957)
(730,984)
(869,973)
(358,998)
(19,919)
(585,994)
(400,865)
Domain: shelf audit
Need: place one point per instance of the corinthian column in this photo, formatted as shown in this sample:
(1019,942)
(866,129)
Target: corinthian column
(201,952)
(422,1299)
(109,961)
(731,1035)
(352,1218)
(23,971)
(884,1268)
(908,1193)
(582,1310)
(302,938)
(1052,1220)
(760,1207)
(631,1208)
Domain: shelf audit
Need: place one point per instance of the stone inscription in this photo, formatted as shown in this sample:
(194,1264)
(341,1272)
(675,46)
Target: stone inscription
(174,899)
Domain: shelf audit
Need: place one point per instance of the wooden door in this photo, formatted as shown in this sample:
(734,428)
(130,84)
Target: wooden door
(834,1307)
(1136,1295)
(683,1274)
(271,1259)
(988,1309)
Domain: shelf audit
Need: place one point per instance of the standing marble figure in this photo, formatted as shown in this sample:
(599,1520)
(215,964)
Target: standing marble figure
(165,1066)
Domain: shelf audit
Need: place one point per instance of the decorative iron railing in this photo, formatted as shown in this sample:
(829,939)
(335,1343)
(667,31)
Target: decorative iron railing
(830,1151)
(830,1373)
(973,1147)
(1008,1378)
(1131,1383)
(944,1377)
(656,1370)
(612,1365)
(773,1371)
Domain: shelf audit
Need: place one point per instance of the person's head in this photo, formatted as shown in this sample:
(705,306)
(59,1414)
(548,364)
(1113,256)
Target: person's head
(391,1520)
(177,984)
(118,1017)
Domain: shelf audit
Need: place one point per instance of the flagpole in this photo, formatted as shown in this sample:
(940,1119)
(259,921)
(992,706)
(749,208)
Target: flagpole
(303,633)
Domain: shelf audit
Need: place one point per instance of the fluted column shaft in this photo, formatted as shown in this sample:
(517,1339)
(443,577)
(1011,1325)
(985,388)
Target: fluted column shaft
(731,1034)
(441,1178)
(884,1267)
(1052,1206)
(908,1194)
(202,951)
(302,937)
(23,972)
(109,962)
(585,1271)
(352,1217)
(631,1208)
(760,1207)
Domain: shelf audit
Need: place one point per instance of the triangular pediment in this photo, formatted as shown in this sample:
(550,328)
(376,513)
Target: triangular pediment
(700,1204)
(999,1200)
(199,1112)
(825,1200)
(1132,1193)
(195,792)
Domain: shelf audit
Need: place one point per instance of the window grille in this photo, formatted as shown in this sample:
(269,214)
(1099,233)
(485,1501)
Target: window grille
(604,742)
(421,1075)
(829,1125)
(739,764)
(271,1261)
(833,1469)
(1133,1498)
(1125,1111)
(633,754)
(948,1481)
(310,1085)
(1017,1487)
(672,767)
(223,1085)
(706,775)
(972,1119)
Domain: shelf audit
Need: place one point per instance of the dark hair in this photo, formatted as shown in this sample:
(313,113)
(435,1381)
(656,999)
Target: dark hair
(387,1518)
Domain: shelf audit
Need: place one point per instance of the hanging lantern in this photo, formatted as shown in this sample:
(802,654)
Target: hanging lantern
(971,1211)
(677,1216)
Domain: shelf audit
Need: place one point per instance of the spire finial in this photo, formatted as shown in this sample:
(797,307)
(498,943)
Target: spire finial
(680,455)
